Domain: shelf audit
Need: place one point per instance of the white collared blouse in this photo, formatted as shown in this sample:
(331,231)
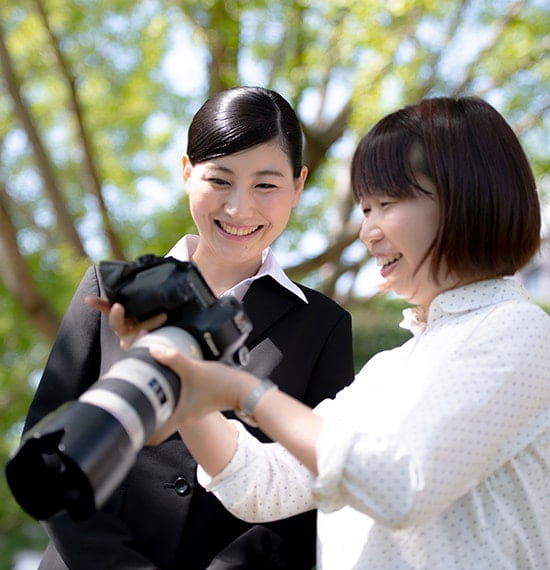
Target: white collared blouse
(436,457)
(186,246)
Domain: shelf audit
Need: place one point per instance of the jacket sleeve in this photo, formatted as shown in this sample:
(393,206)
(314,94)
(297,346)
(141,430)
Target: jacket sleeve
(73,365)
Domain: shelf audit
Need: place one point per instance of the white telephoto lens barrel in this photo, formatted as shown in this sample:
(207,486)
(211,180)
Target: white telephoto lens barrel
(137,390)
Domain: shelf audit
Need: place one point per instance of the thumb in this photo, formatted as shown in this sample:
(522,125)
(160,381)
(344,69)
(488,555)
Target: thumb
(163,353)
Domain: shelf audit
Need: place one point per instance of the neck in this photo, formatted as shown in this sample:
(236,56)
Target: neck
(422,313)
(221,275)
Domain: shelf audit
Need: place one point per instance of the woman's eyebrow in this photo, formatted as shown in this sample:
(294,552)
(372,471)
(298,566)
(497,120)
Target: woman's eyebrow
(263,172)
(268,172)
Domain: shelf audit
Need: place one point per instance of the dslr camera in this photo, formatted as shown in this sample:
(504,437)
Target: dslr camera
(83,450)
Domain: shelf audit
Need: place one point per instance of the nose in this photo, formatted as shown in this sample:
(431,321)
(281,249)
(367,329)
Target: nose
(239,201)
(370,232)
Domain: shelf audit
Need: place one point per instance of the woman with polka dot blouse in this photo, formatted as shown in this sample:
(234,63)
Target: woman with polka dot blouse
(438,455)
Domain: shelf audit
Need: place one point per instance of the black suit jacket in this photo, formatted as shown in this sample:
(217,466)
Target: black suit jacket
(160,517)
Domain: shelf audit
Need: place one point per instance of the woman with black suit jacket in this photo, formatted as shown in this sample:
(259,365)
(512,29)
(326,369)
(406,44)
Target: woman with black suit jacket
(243,174)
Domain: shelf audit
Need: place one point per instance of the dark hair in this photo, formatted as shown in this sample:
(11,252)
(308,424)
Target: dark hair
(240,118)
(490,211)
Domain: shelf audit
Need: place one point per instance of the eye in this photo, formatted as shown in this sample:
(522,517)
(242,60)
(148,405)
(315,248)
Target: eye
(266,186)
(385,200)
(217,181)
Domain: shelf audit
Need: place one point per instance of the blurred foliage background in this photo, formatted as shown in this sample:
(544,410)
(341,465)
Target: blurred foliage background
(95,99)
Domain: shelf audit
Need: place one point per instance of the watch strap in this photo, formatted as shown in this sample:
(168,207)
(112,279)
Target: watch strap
(246,413)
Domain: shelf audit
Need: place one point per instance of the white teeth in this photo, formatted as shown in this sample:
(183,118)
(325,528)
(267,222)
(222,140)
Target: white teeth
(234,231)
(387,259)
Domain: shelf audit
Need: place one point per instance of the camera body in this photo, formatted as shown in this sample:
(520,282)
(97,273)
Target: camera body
(84,449)
(152,285)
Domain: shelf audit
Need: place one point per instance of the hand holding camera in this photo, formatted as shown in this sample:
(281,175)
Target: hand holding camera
(84,449)
(127,330)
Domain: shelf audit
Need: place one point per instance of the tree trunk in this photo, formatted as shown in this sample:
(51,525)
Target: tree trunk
(17,277)
(43,162)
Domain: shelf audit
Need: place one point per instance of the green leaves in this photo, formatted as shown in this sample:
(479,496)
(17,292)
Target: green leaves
(91,79)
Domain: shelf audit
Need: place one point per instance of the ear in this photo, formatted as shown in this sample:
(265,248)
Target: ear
(186,167)
(299,184)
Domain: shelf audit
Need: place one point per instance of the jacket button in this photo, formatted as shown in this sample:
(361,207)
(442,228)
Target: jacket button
(182,487)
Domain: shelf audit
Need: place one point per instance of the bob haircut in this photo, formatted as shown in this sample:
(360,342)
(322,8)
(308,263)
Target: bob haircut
(239,118)
(489,207)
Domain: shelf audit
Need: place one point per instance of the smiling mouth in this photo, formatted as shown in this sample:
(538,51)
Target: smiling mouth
(385,260)
(239,231)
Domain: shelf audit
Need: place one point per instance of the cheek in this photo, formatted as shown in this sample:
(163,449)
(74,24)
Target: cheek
(201,201)
(431,229)
(196,207)
(278,209)
(427,222)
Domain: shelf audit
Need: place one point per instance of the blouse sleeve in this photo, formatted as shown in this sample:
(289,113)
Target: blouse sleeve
(403,447)
(262,482)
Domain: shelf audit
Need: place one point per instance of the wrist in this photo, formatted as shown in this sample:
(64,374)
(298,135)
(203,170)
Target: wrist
(250,398)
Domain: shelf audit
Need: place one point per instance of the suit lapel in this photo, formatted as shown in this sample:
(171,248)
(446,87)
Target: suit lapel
(266,302)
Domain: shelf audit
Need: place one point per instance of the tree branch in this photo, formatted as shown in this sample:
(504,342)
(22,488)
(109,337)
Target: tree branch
(330,255)
(91,175)
(43,163)
(499,27)
(320,137)
(17,277)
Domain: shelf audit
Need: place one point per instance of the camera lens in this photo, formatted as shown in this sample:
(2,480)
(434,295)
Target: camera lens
(122,410)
